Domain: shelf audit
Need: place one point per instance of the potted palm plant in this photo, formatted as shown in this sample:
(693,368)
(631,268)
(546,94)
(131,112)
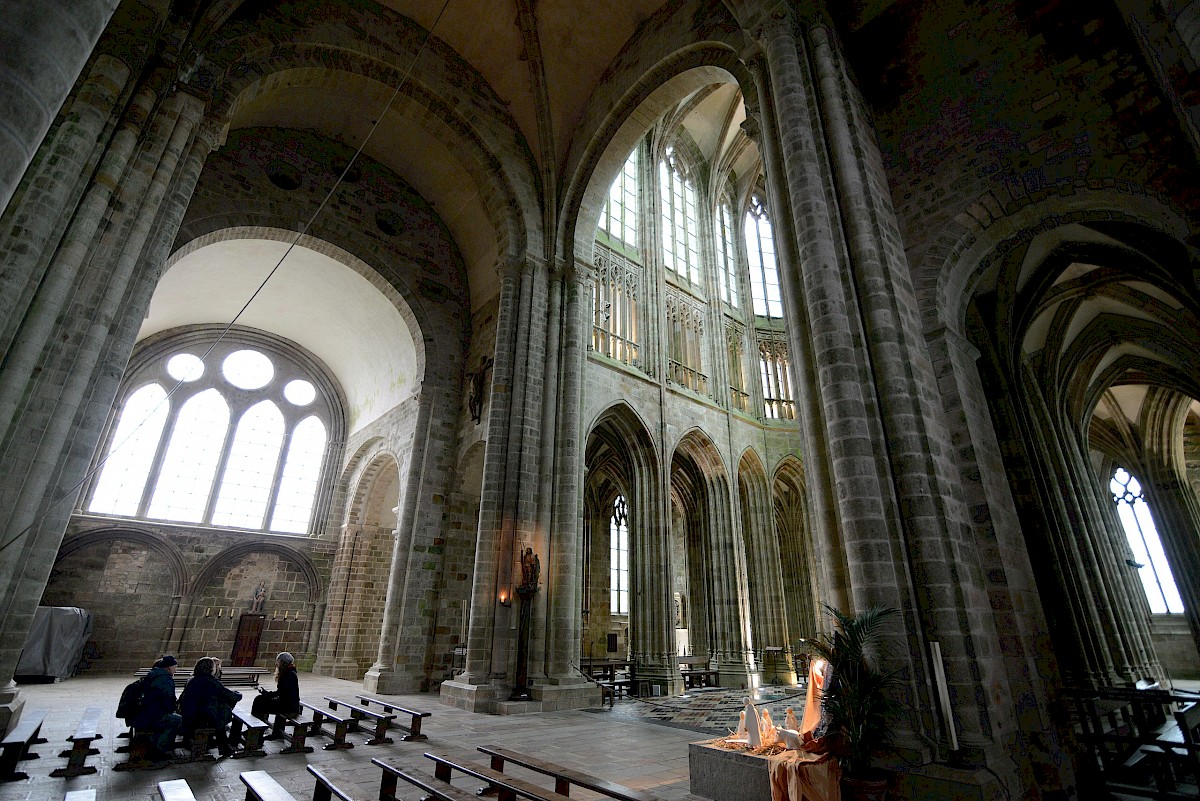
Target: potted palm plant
(857,697)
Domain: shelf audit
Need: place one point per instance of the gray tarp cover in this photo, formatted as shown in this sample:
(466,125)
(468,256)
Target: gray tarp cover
(55,642)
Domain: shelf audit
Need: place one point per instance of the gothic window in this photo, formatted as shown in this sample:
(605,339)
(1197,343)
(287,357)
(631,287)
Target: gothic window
(727,273)
(618,528)
(242,445)
(760,249)
(620,217)
(1145,544)
(776,384)
(735,348)
(685,340)
(680,227)
(614,306)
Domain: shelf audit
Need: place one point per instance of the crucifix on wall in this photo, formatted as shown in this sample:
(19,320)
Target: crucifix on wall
(478,388)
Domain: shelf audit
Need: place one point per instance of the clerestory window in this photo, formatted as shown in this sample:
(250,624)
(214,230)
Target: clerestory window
(239,440)
(620,217)
(727,272)
(1145,544)
(760,250)
(680,226)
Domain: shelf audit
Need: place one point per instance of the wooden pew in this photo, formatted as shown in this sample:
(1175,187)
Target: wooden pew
(507,788)
(175,790)
(200,747)
(359,713)
(16,744)
(81,745)
(564,777)
(1176,750)
(246,734)
(433,787)
(88,794)
(260,786)
(341,723)
(230,676)
(298,740)
(332,783)
(413,728)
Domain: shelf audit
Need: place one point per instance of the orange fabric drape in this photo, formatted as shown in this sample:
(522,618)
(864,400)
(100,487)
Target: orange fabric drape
(801,776)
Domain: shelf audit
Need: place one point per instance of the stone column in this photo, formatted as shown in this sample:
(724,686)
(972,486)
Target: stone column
(382,676)
(77,336)
(46,45)
(37,219)
(512,513)
(567,491)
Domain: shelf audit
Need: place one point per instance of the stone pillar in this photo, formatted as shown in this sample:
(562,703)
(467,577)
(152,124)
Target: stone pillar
(37,219)
(652,604)
(77,336)
(564,585)
(513,515)
(46,45)
(383,676)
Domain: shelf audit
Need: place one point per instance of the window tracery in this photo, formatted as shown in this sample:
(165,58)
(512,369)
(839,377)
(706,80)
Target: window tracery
(680,225)
(760,251)
(773,360)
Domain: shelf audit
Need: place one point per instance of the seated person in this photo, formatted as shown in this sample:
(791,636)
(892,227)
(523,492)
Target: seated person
(157,717)
(285,699)
(208,704)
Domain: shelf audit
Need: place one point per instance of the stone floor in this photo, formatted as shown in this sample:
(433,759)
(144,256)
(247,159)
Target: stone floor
(638,743)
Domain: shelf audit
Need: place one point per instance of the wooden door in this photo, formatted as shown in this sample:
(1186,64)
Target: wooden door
(245,646)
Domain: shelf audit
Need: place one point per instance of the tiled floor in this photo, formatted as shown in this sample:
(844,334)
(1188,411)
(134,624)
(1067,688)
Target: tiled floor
(641,744)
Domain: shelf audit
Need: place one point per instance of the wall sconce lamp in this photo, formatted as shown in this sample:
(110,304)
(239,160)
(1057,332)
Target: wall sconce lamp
(505,600)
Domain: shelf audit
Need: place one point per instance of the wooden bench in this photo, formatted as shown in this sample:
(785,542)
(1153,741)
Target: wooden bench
(341,724)
(431,785)
(332,783)
(175,790)
(16,744)
(88,794)
(298,740)
(230,676)
(413,728)
(261,786)
(246,734)
(81,745)
(564,777)
(507,788)
(1176,749)
(359,713)
(200,747)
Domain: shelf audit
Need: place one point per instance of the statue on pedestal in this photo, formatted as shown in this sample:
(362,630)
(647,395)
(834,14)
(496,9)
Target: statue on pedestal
(531,570)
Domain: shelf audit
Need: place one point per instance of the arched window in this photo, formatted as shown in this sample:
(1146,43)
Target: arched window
(727,273)
(618,558)
(1144,542)
(680,227)
(760,250)
(240,444)
(620,217)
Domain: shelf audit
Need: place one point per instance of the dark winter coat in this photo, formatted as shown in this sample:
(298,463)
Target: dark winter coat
(206,702)
(158,698)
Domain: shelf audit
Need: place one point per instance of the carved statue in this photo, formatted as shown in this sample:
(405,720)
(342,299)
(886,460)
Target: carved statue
(260,598)
(531,569)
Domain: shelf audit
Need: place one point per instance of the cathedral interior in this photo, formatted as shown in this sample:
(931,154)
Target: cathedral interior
(316,317)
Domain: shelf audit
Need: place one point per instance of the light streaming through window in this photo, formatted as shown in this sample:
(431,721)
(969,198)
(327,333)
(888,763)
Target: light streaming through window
(620,217)
(1146,545)
(131,453)
(726,259)
(681,232)
(618,555)
(760,249)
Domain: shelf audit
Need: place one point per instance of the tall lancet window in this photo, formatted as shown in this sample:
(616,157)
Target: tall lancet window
(680,226)
(1145,544)
(618,556)
(760,250)
(620,216)
(727,272)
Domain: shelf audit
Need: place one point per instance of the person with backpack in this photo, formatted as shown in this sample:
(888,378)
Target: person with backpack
(156,715)
(285,699)
(206,703)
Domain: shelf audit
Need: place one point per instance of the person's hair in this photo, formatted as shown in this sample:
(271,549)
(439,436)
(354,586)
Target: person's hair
(281,666)
(204,666)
